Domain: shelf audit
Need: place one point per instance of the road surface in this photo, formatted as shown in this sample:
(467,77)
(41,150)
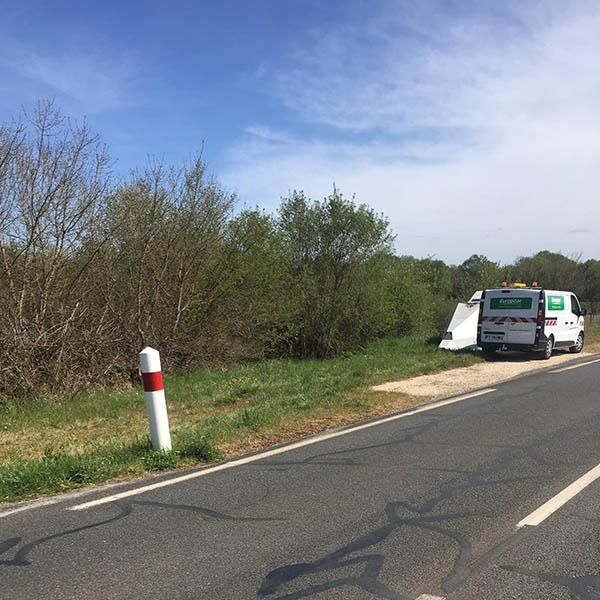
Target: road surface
(492,496)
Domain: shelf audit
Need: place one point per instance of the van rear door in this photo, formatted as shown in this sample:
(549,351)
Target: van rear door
(509,316)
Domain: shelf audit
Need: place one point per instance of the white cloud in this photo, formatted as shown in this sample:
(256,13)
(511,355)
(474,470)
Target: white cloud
(91,81)
(474,123)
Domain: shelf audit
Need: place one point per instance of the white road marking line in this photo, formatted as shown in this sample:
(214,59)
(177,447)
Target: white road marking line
(66,497)
(585,364)
(40,503)
(276,451)
(430,597)
(550,507)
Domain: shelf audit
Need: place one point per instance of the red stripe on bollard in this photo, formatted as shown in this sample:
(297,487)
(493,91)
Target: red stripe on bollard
(152,381)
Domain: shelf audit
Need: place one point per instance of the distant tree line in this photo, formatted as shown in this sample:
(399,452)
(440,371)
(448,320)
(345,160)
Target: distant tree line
(93,270)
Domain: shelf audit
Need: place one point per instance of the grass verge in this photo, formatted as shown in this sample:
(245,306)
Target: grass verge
(592,334)
(56,444)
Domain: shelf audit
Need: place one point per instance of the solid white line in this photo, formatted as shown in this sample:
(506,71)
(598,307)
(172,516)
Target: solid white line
(39,503)
(544,511)
(430,597)
(275,451)
(591,362)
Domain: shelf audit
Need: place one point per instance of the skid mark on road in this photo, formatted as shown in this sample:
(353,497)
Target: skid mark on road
(584,587)
(369,565)
(20,558)
(300,580)
(343,457)
(205,513)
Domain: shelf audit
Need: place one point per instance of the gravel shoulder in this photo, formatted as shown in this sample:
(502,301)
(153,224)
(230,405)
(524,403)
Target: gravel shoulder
(467,379)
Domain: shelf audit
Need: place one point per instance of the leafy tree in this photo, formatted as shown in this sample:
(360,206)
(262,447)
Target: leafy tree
(588,276)
(476,273)
(329,243)
(550,269)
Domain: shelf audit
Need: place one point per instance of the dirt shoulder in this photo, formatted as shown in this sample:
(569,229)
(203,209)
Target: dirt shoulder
(467,379)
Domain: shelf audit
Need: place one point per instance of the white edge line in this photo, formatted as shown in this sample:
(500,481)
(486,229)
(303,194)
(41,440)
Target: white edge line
(275,451)
(10,509)
(38,503)
(585,364)
(550,507)
(430,597)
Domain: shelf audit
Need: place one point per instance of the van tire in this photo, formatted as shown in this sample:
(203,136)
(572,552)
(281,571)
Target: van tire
(578,347)
(548,348)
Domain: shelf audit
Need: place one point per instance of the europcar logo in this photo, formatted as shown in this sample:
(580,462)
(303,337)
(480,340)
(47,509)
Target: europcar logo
(556,302)
(510,303)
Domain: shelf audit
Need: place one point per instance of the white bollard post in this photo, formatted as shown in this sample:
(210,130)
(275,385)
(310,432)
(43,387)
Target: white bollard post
(155,399)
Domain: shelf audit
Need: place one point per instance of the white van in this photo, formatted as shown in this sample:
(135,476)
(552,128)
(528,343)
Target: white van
(530,318)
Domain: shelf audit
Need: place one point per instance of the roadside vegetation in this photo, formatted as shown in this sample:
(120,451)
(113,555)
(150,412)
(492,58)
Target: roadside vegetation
(92,269)
(57,444)
(592,334)
(269,324)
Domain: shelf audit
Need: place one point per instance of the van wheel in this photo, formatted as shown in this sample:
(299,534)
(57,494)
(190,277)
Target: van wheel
(548,348)
(578,347)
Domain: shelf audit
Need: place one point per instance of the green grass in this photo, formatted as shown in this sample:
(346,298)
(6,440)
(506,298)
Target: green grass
(55,444)
(592,334)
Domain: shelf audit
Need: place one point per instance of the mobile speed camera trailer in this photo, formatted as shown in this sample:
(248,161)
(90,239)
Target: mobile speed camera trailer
(462,330)
(530,318)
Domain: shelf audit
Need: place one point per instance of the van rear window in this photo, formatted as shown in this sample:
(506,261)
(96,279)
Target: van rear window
(522,303)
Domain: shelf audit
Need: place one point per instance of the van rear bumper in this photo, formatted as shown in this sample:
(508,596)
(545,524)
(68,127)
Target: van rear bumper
(492,346)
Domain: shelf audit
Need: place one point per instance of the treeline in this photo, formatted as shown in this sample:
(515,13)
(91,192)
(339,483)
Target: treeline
(93,270)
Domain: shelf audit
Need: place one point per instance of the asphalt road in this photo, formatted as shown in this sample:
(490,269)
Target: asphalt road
(423,506)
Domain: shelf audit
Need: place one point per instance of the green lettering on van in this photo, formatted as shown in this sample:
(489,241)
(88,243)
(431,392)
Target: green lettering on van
(556,303)
(522,303)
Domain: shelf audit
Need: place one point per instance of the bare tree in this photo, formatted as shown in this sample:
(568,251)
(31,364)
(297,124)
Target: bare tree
(53,176)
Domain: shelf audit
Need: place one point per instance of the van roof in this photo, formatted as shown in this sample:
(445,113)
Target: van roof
(516,289)
(527,289)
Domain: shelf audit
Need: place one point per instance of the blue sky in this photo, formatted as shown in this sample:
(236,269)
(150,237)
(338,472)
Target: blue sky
(472,125)
(153,77)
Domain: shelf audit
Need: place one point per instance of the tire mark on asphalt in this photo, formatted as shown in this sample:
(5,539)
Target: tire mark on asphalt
(207,513)
(584,587)
(464,565)
(368,579)
(329,458)
(20,559)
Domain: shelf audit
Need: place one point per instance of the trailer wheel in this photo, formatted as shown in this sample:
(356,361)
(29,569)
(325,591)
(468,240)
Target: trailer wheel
(488,353)
(578,347)
(548,348)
